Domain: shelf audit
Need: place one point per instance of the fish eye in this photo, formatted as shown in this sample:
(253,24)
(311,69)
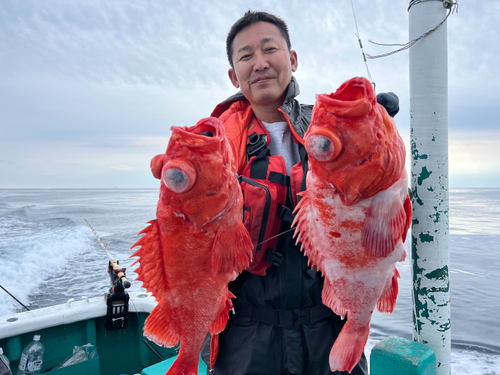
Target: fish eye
(320,147)
(208,134)
(176,180)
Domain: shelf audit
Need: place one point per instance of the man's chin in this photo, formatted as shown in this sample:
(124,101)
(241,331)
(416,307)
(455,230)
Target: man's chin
(267,96)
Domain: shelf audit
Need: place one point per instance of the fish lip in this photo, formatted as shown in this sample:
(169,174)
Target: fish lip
(195,141)
(262,77)
(345,108)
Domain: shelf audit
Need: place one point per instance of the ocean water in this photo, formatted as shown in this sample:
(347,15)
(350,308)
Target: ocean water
(48,255)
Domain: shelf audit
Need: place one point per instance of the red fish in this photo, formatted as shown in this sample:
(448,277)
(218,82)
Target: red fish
(354,216)
(196,245)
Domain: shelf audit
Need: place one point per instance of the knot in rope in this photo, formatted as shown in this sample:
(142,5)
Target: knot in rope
(448,4)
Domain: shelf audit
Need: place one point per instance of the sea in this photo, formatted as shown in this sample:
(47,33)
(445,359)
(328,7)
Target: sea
(48,255)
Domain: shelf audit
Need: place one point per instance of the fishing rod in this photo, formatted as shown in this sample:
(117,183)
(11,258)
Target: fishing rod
(6,291)
(117,270)
(117,297)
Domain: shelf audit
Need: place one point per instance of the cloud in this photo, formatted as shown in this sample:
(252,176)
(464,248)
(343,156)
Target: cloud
(122,167)
(94,84)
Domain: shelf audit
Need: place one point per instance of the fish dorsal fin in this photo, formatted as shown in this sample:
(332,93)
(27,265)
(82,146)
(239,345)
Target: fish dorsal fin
(151,268)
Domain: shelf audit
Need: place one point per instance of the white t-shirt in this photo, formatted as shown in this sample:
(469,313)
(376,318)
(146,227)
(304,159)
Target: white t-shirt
(282,143)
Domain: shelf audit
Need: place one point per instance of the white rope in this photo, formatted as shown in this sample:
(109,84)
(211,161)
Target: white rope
(452,6)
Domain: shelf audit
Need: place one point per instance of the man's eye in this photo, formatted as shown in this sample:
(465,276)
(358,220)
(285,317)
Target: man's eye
(245,57)
(271,49)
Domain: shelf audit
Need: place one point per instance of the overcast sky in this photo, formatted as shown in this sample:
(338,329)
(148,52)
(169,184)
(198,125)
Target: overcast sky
(89,89)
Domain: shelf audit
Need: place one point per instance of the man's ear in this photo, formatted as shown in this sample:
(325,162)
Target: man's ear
(232,76)
(294,60)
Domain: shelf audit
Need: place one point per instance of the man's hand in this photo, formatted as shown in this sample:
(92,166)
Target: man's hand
(390,102)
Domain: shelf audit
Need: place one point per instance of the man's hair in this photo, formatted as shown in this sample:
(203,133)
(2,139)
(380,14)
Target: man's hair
(248,19)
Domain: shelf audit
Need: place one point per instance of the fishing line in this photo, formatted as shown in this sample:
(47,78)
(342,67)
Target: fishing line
(279,234)
(114,264)
(361,46)
(6,291)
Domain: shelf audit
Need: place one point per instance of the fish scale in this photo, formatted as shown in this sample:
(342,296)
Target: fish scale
(196,245)
(354,216)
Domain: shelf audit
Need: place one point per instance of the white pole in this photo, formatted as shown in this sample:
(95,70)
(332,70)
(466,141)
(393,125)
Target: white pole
(429,172)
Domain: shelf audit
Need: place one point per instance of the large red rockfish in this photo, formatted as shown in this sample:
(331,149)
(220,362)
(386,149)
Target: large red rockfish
(196,245)
(353,218)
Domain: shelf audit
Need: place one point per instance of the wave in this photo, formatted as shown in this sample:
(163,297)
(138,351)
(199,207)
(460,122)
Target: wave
(32,252)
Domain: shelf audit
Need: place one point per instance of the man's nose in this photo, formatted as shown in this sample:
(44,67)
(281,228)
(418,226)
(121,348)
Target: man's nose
(261,62)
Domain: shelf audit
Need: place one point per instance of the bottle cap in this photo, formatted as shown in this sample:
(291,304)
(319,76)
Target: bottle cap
(36,338)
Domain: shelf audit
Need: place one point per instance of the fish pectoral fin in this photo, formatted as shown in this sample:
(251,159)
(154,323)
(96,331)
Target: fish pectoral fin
(384,226)
(387,301)
(220,322)
(150,270)
(232,249)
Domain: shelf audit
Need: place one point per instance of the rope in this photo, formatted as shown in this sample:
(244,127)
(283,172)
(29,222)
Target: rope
(361,46)
(452,6)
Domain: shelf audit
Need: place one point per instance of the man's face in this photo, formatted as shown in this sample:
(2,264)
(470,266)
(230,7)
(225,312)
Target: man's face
(263,65)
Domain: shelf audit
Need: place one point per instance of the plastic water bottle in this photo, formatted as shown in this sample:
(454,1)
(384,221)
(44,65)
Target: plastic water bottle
(4,364)
(32,358)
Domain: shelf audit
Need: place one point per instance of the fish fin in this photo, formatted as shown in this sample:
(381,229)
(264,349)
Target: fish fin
(150,270)
(348,347)
(160,328)
(384,225)
(387,302)
(330,299)
(223,315)
(232,249)
(407,208)
(304,232)
(214,349)
(184,368)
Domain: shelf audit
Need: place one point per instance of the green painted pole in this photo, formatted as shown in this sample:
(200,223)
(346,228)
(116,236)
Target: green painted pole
(430,255)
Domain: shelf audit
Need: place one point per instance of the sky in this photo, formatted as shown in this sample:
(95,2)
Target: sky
(90,88)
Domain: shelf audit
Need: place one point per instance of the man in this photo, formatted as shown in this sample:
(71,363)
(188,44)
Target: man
(279,325)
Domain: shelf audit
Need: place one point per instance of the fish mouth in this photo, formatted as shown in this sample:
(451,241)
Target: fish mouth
(208,134)
(209,127)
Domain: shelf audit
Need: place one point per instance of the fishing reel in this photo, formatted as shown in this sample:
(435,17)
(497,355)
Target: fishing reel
(117,297)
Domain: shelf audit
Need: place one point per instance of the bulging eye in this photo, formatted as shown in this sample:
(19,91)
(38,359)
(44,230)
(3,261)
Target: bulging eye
(179,177)
(320,147)
(323,147)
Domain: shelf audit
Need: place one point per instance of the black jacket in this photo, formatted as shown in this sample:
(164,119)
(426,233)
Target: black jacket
(280,325)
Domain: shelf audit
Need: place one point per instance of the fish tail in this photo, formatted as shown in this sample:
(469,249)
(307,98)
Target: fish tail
(183,368)
(188,359)
(348,348)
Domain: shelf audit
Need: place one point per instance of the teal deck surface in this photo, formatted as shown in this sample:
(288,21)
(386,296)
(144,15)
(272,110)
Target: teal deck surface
(162,367)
